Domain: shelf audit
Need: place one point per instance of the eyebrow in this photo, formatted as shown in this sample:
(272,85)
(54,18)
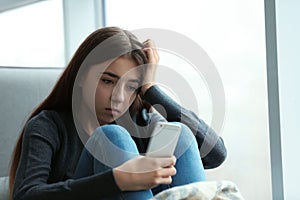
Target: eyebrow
(118,77)
(111,74)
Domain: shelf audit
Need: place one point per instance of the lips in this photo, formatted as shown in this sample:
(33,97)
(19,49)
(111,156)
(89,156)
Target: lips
(112,110)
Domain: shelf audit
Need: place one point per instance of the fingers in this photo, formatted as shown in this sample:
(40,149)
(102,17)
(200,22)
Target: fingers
(151,51)
(166,162)
(152,59)
(149,43)
(162,180)
(144,172)
(156,163)
(166,172)
(164,175)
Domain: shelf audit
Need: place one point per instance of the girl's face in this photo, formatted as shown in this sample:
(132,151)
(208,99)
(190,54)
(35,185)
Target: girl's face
(114,89)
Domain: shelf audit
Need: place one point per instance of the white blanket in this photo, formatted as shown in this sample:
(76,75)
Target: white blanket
(206,190)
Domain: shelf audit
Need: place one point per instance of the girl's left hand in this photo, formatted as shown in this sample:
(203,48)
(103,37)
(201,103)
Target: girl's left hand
(153,59)
(143,172)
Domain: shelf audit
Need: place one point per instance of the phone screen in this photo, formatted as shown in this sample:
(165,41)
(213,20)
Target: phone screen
(164,140)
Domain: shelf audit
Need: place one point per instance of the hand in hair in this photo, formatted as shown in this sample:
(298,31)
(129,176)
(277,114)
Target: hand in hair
(142,172)
(153,59)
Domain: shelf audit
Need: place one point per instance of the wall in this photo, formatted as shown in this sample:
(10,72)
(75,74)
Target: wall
(288,43)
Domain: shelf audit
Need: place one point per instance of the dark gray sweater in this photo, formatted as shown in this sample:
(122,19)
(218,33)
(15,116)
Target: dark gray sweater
(51,149)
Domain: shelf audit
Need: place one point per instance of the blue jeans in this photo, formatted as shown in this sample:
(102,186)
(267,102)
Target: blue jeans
(114,140)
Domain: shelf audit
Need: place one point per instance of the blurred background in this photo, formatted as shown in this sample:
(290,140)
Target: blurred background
(232,33)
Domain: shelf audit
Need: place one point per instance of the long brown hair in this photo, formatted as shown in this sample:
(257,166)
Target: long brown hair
(60,98)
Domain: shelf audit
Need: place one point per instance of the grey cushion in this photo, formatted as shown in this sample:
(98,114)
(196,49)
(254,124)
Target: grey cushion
(21,90)
(4,188)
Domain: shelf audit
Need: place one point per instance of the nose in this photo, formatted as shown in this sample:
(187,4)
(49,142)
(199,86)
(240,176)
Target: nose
(118,94)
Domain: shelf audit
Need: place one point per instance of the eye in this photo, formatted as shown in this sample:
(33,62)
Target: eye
(107,81)
(132,88)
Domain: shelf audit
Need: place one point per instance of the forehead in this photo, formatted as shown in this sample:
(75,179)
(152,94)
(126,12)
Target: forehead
(122,66)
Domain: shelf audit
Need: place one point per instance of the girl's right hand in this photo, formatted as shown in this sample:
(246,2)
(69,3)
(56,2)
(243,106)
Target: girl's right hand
(142,172)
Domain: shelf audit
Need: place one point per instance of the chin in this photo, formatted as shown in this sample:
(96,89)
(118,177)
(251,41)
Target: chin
(105,121)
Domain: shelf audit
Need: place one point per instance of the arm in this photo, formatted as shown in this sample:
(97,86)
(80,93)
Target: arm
(211,146)
(41,176)
(214,152)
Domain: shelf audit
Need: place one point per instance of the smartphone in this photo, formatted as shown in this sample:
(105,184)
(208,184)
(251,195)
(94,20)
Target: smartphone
(163,139)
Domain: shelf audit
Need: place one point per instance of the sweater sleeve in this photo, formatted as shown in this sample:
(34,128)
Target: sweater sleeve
(211,146)
(34,179)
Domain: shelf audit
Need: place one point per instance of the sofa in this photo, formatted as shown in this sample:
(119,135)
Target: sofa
(21,89)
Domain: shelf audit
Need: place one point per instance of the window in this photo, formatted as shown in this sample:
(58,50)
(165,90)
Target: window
(232,33)
(32,36)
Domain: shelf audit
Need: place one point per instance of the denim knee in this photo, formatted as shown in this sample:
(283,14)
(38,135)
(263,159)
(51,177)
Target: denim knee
(112,145)
(111,131)
(186,140)
(115,134)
